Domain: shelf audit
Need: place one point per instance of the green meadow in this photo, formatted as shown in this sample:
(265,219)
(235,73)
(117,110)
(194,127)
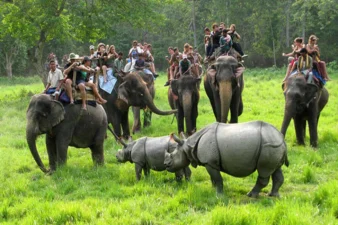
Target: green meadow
(80,193)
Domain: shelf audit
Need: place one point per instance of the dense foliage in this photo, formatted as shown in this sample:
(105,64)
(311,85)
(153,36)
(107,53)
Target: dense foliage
(81,194)
(30,29)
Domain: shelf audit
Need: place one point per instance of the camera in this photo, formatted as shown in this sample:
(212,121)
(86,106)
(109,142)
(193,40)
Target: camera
(78,64)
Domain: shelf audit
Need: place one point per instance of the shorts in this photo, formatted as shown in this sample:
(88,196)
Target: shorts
(80,81)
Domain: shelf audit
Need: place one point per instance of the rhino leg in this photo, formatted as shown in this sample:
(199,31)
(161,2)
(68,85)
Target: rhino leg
(146,171)
(138,171)
(216,179)
(179,175)
(277,181)
(260,184)
(187,173)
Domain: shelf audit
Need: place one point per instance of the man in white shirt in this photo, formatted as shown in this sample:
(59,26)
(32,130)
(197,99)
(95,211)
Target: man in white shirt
(53,80)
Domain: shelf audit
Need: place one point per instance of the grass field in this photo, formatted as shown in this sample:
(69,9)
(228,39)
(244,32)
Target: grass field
(82,194)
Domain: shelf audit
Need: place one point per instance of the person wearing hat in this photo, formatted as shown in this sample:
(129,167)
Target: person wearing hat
(184,66)
(101,56)
(80,78)
(92,56)
(134,53)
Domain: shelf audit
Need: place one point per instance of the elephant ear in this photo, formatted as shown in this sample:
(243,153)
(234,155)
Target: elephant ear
(174,86)
(310,92)
(239,71)
(57,113)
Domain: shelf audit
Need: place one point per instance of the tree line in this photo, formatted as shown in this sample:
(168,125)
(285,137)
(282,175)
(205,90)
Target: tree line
(31,29)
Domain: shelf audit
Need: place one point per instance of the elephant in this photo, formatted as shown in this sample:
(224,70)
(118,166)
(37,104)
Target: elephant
(303,102)
(136,110)
(130,90)
(235,149)
(183,95)
(224,85)
(148,153)
(64,126)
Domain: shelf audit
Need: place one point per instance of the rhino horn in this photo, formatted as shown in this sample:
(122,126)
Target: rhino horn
(179,141)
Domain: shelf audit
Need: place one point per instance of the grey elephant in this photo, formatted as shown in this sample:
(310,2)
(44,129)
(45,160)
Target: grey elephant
(235,149)
(149,80)
(130,90)
(148,153)
(224,85)
(184,96)
(64,126)
(303,102)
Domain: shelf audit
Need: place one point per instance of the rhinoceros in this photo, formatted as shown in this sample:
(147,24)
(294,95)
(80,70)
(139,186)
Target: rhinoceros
(235,149)
(148,153)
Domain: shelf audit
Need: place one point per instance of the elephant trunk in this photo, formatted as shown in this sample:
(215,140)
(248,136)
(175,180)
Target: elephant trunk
(150,103)
(187,104)
(225,93)
(31,135)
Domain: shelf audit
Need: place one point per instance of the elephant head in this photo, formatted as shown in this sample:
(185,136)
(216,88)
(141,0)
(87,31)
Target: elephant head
(225,81)
(298,95)
(187,90)
(133,91)
(43,114)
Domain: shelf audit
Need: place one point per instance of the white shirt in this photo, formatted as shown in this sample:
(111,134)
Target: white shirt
(54,77)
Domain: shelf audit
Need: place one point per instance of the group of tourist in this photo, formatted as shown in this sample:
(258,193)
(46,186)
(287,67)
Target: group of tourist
(305,59)
(77,71)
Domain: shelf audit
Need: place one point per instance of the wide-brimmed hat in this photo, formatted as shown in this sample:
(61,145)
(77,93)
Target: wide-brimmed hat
(73,56)
(99,45)
(91,47)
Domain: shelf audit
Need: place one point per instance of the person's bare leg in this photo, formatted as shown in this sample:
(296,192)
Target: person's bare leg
(287,72)
(104,71)
(83,95)
(96,93)
(68,85)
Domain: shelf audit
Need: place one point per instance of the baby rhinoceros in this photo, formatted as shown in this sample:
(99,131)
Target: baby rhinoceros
(148,153)
(235,149)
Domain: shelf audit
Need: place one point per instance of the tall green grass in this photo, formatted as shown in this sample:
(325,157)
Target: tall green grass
(79,193)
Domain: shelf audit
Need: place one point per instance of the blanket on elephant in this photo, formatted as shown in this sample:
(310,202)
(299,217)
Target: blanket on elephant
(111,81)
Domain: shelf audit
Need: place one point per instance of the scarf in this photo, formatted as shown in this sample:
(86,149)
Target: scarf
(301,61)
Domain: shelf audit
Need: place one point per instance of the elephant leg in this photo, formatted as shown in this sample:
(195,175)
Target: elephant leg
(298,123)
(97,154)
(277,181)
(146,170)
(138,171)
(313,131)
(51,149)
(240,106)
(234,106)
(116,119)
(217,102)
(194,116)
(216,178)
(62,143)
(125,125)
(261,183)
(187,173)
(210,95)
(180,118)
(137,121)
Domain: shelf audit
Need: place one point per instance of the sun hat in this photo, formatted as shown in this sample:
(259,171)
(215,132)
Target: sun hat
(91,47)
(73,56)
(99,45)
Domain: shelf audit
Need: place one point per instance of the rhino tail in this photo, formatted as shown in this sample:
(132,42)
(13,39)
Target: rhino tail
(286,161)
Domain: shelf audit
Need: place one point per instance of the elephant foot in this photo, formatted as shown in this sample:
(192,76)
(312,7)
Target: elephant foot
(50,172)
(276,194)
(253,194)
(314,146)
